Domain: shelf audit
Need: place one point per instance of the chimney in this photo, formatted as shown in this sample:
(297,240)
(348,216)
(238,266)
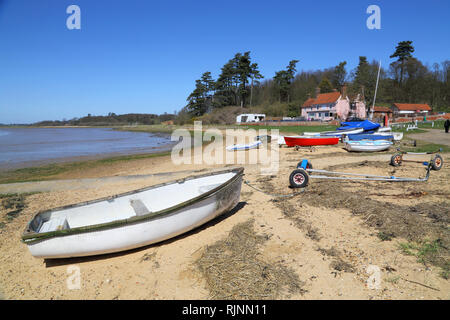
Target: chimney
(317,92)
(344,91)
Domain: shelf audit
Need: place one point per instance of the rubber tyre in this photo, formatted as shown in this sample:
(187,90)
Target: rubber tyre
(308,165)
(299,178)
(437,163)
(396,159)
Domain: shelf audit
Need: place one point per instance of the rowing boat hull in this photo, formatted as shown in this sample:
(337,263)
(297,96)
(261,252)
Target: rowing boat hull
(134,234)
(367,146)
(237,147)
(373,136)
(310,141)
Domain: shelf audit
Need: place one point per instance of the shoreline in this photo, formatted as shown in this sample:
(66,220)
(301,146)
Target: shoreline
(42,169)
(78,159)
(54,170)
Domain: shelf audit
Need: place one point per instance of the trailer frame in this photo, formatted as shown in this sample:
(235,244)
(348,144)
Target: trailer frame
(299,178)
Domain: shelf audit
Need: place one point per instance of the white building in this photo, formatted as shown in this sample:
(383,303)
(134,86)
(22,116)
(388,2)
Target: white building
(250,117)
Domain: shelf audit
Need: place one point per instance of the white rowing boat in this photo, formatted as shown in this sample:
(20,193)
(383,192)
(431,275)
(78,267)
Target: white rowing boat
(252,145)
(133,219)
(367,145)
(269,138)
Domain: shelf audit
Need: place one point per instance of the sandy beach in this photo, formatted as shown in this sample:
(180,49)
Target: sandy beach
(324,238)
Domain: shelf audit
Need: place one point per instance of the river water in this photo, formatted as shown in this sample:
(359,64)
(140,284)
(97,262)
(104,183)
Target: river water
(22,147)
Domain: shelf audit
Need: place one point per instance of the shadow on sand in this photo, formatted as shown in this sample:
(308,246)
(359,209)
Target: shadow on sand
(77,260)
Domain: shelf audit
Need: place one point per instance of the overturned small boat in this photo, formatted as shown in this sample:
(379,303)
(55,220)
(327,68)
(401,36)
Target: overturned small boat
(367,145)
(252,145)
(133,219)
(269,138)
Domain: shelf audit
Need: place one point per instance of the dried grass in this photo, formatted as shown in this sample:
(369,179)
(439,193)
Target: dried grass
(234,269)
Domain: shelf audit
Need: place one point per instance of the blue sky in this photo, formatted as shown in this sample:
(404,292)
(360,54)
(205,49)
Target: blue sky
(144,56)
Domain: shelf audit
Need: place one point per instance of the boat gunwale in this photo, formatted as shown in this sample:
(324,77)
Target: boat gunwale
(32,236)
(311,137)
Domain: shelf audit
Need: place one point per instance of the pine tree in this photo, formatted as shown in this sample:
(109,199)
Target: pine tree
(200,100)
(243,71)
(325,85)
(283,80)
(403,53)
(339,75)
(255,76)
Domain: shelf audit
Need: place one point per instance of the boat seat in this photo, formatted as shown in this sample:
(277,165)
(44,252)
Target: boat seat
(54,224)
(139,207)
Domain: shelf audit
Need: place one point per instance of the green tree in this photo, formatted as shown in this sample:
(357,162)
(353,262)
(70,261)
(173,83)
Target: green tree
(224,91)
(255,75)
(200,100)
(403,53)
(232,84)
(283,79)
(325,85)
(339,75)
(243,72)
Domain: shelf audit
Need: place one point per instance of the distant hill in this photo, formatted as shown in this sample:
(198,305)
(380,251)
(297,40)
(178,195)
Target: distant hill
(110,119)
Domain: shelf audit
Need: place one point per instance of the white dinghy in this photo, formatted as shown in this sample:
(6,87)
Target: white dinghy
(367,145)
(133,219)
(269,138)
(252,145)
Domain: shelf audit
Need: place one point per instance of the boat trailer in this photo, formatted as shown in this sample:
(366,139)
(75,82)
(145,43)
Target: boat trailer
(299,178)
(436,162)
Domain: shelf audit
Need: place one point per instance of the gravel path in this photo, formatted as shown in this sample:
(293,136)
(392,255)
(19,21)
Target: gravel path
(433,136)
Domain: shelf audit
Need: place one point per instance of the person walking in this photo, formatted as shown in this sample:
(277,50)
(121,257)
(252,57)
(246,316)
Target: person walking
(447,125)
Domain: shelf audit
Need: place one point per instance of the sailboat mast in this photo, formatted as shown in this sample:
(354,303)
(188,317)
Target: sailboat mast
(375,96)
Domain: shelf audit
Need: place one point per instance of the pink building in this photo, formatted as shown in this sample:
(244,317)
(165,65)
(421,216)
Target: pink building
(333,105)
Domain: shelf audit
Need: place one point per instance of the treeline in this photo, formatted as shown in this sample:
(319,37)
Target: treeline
(111,119)
(405,80)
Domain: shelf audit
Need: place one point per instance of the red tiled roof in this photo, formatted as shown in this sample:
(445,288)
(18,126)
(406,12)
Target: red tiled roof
(412,106)
(322,99)
(382,109)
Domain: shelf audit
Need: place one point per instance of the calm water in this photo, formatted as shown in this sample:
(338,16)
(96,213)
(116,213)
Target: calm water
(23,147)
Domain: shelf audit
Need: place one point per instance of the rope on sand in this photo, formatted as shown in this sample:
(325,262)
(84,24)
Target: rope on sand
(274,194)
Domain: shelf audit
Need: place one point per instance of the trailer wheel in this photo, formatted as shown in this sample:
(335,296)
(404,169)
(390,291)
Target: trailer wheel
(298,178)
(396,159)
(437,163)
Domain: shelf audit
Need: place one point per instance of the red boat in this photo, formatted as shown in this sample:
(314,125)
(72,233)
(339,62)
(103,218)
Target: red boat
(307,141)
